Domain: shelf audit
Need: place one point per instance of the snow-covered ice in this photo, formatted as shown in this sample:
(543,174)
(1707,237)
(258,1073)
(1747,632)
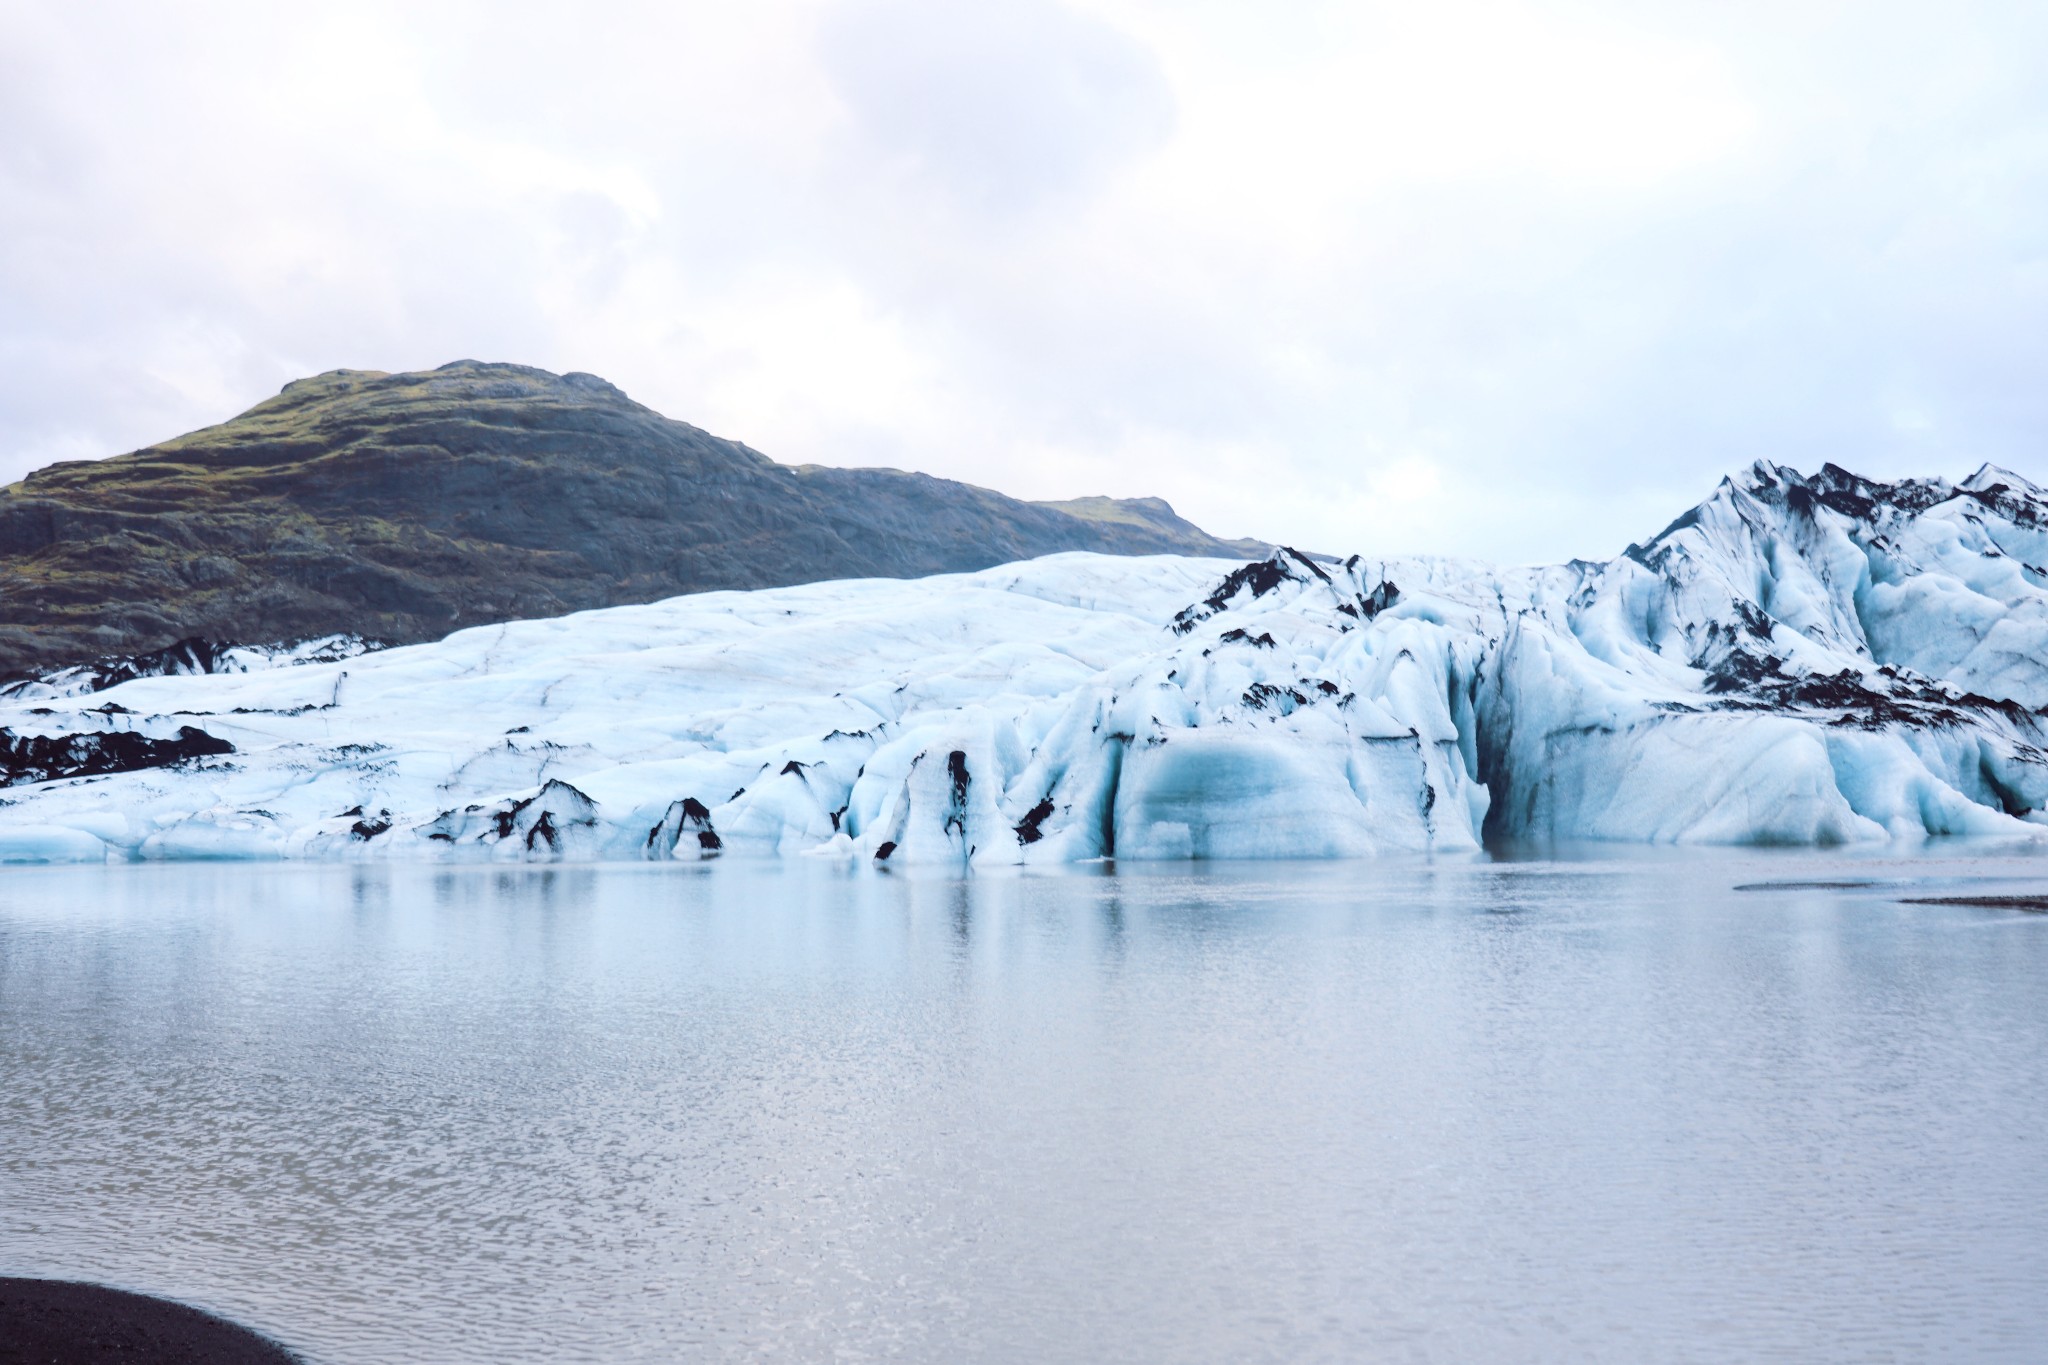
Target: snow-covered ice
(1797,660)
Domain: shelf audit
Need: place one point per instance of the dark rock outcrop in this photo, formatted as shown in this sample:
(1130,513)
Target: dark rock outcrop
(57,1322)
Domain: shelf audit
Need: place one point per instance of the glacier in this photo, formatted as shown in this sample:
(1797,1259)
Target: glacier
(1800,660)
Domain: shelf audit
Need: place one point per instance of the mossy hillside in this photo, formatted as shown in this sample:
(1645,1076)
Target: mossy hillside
(401,506)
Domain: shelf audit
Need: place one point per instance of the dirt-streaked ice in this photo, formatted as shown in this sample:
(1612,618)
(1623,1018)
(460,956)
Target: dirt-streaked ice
(1797,660)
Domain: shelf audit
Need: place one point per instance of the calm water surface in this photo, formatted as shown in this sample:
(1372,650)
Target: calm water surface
(1347,1112)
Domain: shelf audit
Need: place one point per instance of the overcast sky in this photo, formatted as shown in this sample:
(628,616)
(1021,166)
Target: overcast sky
(1517,281)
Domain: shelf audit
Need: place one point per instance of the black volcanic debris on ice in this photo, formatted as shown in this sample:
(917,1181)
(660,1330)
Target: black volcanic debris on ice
(43,758)
(399,507)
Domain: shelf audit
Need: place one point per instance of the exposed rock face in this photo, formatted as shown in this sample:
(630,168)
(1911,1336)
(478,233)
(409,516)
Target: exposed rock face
(399,507)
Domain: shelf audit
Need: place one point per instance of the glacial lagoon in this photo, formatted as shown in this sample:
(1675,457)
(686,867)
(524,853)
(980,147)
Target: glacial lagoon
(1709,1106)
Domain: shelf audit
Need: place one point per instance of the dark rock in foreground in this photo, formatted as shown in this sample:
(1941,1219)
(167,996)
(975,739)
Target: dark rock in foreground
(399,507)
(56,1322)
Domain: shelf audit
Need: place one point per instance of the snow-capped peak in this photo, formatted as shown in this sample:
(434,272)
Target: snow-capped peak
(1990,477)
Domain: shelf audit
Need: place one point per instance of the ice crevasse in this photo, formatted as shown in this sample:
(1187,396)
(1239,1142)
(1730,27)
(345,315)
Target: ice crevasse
(1799,659)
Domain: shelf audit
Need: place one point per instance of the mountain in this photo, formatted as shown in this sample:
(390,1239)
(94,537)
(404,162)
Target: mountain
(1798,660)
(398,507)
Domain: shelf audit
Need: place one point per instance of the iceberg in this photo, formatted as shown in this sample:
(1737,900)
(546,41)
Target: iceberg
(1797,660)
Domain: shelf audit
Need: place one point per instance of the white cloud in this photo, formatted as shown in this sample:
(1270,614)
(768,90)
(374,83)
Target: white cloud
(1486,278)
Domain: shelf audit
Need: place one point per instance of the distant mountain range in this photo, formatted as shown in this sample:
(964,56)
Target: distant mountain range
(399,507)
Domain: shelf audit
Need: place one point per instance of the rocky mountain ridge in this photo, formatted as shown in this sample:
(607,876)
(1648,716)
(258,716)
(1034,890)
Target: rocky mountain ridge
(398,507)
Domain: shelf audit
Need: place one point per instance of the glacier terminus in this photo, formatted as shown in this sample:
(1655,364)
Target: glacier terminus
(1798,660)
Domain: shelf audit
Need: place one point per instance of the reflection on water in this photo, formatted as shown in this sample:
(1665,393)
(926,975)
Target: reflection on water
(1538,1111)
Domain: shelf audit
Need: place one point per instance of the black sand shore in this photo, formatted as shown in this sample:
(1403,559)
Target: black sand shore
(56,1322)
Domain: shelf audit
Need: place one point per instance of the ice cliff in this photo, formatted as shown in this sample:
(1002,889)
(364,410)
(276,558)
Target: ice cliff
(1797,660)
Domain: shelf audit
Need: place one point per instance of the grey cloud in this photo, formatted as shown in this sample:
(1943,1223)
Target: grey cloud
(1004,106)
